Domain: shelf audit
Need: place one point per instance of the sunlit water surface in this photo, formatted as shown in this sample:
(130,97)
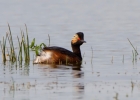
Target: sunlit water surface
(111,74)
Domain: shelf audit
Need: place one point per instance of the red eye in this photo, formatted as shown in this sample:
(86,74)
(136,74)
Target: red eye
(78,38)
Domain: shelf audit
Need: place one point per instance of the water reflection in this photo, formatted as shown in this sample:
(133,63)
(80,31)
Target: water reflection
(65,76)
(78,76)
(77,73)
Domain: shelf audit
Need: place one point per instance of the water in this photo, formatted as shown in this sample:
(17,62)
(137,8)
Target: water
(107,24)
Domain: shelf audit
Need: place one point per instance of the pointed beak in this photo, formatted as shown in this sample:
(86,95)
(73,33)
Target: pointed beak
(83,41)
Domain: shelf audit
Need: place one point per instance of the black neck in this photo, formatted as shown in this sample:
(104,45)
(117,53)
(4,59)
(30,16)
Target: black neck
(76,50)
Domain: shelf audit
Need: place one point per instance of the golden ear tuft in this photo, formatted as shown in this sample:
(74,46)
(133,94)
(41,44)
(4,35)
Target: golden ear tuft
(75,38)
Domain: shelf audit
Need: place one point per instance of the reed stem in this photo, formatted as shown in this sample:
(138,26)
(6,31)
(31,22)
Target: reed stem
(133,47)
(49,39)
(12,54)
(133,56)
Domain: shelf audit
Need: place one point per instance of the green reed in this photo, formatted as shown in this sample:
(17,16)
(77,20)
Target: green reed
(20,50)
(12,49)
(3,47)
(37,48)
(28,50)
(23,47)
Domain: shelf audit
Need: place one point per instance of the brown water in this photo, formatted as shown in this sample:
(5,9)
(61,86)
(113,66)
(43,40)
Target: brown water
(106,23)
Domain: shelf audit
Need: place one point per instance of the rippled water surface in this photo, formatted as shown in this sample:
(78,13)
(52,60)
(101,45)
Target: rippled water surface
(111,74)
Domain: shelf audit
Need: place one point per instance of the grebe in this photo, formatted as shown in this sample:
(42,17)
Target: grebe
(59,55)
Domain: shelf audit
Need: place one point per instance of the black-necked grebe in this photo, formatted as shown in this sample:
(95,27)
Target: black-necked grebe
(59,55)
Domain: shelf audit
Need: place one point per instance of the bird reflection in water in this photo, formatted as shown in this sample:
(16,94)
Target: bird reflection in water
(78,82)
(76,78)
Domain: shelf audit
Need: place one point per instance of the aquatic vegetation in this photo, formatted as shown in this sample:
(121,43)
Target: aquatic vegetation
(23,47)
(3,47)
(135,53)
(36,48)
(23,52)
(133,47)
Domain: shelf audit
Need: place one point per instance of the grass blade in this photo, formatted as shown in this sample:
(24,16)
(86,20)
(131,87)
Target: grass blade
(28,52)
